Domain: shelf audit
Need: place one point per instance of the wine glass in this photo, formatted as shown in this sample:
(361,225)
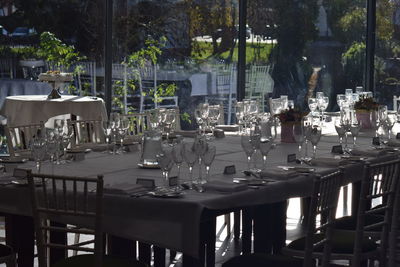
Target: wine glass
(190,158)
(340,99)
(122,131)
(200,147)
(298,134)
(315,136)
(169,120)
(323,104)
(265,147)
(312,105)
(165,162)
(388,124)
(239,112)
(247,148)
(38,149)
(255,142)
(177,157)
(340,129)
(208,158)
(114,122)
(107,132)
(354,130)
(214,114)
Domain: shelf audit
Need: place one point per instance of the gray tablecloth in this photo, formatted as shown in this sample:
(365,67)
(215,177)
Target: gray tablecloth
(174,223)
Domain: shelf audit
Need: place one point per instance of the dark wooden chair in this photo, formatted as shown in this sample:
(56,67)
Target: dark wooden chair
(71,201)
(7,256)
(324,201)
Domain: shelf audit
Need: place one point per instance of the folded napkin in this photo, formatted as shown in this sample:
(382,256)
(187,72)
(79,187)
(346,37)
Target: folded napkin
(222,186)
(367,152)
(393,143)
(278,174)
(124,189)
(328,162)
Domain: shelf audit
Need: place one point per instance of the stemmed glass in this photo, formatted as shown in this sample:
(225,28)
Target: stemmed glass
(38,149)
(323,104)
(208,158)
(312,105)
(201,115)
(247,148)
(59,132)
(306,123)
(298,134)
(122,131)
(170,117)
(114,122)
(341,99)
(165,162)
(214,114)
(107,132)
(255,142)
(354,130)
(190,158)
(340,129)
(315,136)
(200,148)
(388,124)
(177,157)
(239,112)
(265,147)
(375,122)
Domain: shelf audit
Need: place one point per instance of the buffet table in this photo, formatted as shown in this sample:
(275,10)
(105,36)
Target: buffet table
(32,109)
(175,223)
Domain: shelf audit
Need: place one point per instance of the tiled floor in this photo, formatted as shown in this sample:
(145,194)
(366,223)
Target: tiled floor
(227,247)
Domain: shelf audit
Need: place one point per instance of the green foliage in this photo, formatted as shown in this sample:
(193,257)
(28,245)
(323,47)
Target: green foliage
(353,61)
(149,53)
(53,50)
(186,117)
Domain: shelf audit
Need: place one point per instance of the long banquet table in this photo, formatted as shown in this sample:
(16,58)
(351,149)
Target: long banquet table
(175,223)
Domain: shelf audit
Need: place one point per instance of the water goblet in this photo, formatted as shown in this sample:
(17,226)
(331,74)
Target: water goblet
(122,131)
(190,158)
(239,112)
(312,105)
(315,136)
(213,116)
(177,157)
(247,148)
(208,158)
(38,149)
(354,130)
(200,147)
(341,130)
(165,162)
(298,134)
(107,132)
(169,120)
(265,147)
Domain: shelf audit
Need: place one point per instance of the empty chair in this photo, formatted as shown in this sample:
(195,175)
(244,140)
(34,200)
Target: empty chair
(7,68)
(73,200)
(139,123)
(87,132)
(147,85)
(19,137)
(324,201)
(259,83)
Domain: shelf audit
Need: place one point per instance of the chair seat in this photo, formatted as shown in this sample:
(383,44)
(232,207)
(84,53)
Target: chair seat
(87,260)
(342,243)
(349,223)
(263,260)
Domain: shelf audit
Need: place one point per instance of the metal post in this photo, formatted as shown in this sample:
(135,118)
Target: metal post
(370,46)
(241,74)
(108,55)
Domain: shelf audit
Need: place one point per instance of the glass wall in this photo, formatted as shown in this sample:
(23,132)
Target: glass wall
(176,53)
(307,46)
(63,35)
(387,61)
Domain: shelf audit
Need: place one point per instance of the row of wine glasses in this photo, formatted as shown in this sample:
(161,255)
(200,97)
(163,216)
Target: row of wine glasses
(115,131)
(254,142)
(198,151)
(207,116)
(320,103)
(309,131)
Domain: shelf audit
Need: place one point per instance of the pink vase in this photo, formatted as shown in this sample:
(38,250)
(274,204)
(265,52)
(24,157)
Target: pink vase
(364,117)
(287,132)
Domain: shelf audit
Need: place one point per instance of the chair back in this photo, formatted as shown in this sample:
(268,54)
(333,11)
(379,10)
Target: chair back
(139,123)
(19,137)
(324,200)
(70,201)
(378,186)
(87,132)
(394,235)
(7,68)
(396,100)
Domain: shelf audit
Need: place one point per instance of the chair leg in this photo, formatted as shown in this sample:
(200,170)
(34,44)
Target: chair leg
(236,225)
(345,200)
(76,241)
(228,224)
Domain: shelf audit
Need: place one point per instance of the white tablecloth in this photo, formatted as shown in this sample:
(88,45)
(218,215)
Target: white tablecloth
(29,109)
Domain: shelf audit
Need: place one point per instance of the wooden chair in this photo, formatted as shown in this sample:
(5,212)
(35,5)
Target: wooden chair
(394,235)
(324,201)
(19,137)
(259,83)
(139,123)
(380,185)
(71,199)
(87,132)
(7,256)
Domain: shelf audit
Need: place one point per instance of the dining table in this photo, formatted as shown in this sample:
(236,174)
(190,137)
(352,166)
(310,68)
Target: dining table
(33,109)
(177,223)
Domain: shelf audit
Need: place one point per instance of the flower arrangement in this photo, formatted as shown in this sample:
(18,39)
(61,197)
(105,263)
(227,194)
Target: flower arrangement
(290,115)
(366,104)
